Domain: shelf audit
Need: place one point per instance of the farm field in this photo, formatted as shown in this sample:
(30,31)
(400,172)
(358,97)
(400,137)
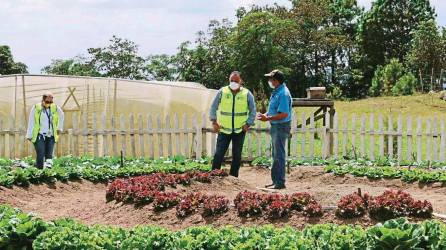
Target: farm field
(180,199)
(85,201)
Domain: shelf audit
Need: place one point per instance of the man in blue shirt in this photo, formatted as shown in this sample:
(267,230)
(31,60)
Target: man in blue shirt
(279,115)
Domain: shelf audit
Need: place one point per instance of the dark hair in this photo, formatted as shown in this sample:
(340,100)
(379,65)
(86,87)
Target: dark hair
(44,96)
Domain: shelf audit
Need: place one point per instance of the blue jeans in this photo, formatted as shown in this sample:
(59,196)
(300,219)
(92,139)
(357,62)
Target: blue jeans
(279,135)
(44,149)
(223,141)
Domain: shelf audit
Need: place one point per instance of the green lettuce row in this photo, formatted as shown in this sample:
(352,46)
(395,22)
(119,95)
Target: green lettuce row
(267,161)
(95,169)
(19,230)
(407,175)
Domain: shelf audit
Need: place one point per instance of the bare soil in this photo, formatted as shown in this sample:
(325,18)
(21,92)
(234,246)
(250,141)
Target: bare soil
(85,201)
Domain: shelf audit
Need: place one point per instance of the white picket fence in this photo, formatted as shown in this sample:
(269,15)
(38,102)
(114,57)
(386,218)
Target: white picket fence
(371,136)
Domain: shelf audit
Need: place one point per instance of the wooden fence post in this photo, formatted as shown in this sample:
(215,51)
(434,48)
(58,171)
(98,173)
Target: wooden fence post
(95,136)
(335,136)
(362,146)
(419,137)
(443,141)
(400,139)
(142,151)
(354,135)
(176,134)
(409,139)
(150,137)
(114,135)
(429,140)
(160,136)
(390,136)
(132,135)
(104,135)
(123,132)
(304,135)
(435,140)
(198,138)
(381,136)
(312,133)
(76,134)
(372,137)
(186,136)
(344,135)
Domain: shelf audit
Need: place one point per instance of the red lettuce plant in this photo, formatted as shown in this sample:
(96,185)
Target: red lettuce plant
(351,206)
(300,200)
(214,205)
(190,203)
(391,204)
(278,208)
(165,200)
(313,209)
(421,209)
(218,173)
(248,204)
(203,177)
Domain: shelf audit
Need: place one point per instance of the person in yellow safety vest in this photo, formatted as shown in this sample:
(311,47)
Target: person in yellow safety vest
(233,112)
(44,126)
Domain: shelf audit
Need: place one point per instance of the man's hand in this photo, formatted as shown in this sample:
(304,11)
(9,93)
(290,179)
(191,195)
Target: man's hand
(216,127)
(263,117)
(245,128)
(59,132)
(29,139)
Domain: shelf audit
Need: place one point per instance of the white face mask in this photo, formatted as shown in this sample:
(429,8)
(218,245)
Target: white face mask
(234,85)
(271,85)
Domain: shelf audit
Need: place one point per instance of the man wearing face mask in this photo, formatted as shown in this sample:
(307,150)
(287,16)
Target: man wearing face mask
(279,115)
(233,111)
(45,123)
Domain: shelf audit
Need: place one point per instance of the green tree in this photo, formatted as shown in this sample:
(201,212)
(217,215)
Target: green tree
(7,64)
(258,47)
(386,31)
(212,59)
(77,66)
(425,55)
(120,59)
(161,68)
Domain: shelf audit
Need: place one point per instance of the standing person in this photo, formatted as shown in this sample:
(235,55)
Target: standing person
(45,123)
(233,111)
(279,115)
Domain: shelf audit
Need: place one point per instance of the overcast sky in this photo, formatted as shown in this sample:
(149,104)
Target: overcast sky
(40,30)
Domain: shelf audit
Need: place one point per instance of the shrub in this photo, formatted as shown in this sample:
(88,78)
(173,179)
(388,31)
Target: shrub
(405,85)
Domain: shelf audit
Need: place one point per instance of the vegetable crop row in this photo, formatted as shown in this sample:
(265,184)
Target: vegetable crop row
(20,230)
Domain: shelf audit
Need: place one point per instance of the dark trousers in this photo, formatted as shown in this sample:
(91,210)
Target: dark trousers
(279,135)
(223,141)
(44,149)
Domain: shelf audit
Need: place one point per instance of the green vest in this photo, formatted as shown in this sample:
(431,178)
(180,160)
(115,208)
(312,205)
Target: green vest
(55,121)
(233,110)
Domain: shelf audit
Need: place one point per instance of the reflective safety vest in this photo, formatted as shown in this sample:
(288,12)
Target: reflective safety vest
(54,121)
(233,110)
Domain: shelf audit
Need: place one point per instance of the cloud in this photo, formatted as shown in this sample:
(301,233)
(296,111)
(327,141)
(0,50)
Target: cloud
(41,30)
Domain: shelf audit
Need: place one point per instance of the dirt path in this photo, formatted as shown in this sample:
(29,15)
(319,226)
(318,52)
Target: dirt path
(85,201)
